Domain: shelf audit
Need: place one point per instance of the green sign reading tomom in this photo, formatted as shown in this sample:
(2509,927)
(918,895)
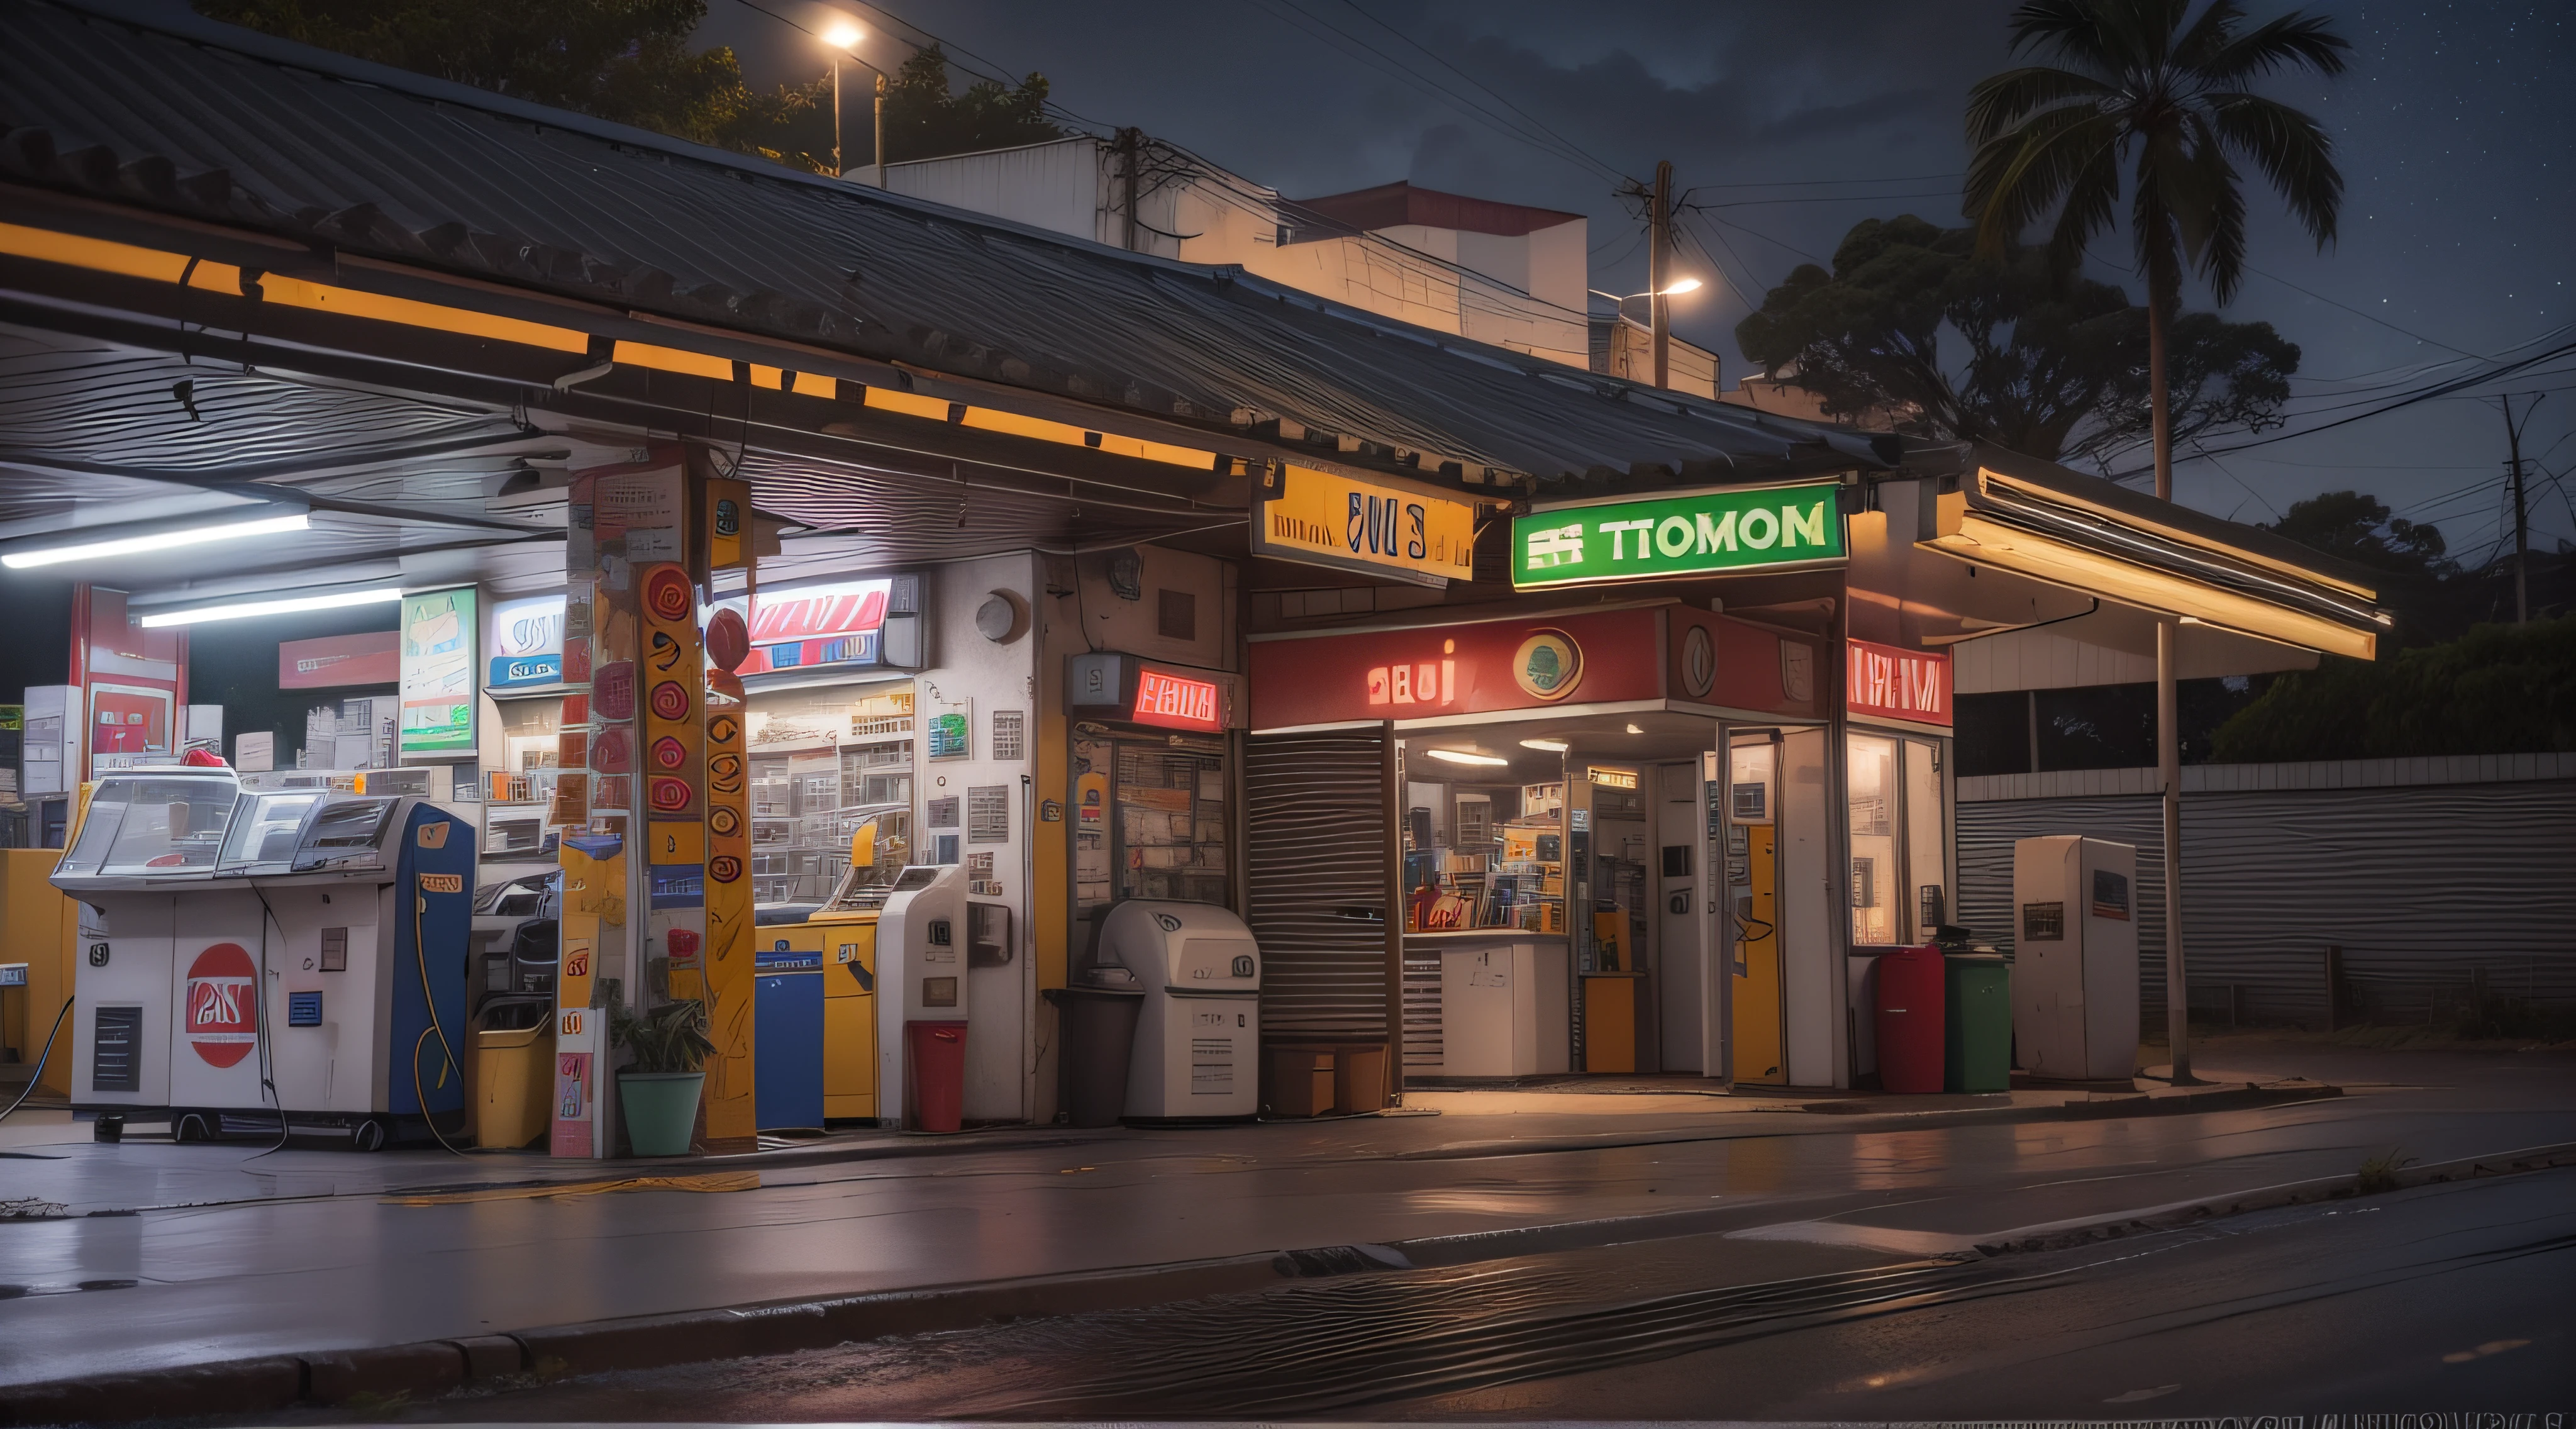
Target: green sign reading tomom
(1702,532)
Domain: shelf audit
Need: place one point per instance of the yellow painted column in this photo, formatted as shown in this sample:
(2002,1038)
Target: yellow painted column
(731,1110)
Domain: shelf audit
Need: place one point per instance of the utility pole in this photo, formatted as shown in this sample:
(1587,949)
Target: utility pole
(2521,518)
(1129,142)
(1659,264)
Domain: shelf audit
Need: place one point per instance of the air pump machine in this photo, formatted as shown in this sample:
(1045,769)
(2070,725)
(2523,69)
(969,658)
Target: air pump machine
(297,953)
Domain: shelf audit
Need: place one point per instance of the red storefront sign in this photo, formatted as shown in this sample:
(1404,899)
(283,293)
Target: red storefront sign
(1532,664)
(1172,701)
(1897,684)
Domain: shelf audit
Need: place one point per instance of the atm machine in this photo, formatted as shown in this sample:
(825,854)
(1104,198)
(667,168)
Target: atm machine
(922,1007)
(314,968)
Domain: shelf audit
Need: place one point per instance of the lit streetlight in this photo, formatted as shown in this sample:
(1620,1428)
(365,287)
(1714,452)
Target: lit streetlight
(841,37)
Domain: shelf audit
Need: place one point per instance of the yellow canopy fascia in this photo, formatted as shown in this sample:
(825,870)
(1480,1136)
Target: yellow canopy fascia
(1972,536)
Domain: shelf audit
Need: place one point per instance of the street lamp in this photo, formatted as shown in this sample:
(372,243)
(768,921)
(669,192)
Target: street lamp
(1678,287)
(840,36)
(1661,327)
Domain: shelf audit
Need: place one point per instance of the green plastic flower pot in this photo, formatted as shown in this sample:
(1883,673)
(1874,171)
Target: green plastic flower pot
(661,1110)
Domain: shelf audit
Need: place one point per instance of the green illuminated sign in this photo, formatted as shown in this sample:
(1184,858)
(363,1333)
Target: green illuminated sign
(1702,532)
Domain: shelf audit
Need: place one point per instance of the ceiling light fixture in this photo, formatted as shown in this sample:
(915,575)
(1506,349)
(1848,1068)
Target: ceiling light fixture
(1632,729)
(158,541)
(1460,756)
(1552,746)
(283,605)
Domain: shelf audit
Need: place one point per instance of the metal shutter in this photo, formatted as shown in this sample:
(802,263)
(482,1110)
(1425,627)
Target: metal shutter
(1315,870)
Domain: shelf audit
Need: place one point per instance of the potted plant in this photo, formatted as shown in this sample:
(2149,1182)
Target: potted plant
(660,1088)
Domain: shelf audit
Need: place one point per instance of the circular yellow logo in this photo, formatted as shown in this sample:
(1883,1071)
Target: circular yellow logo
(1548,665)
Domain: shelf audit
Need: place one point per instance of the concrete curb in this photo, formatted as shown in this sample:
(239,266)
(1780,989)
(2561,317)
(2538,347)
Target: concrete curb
(379,1375)
(2058,1235)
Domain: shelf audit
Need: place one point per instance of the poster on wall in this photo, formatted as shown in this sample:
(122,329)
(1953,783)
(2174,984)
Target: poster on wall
(438,674)
(523,643)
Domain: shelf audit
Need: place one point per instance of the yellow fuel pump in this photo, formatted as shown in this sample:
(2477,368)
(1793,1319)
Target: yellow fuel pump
(842,935)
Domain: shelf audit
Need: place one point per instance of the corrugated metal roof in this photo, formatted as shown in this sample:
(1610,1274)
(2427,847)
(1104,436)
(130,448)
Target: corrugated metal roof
(153,106)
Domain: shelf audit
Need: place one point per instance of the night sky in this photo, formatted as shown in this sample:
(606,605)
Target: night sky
(1792,121)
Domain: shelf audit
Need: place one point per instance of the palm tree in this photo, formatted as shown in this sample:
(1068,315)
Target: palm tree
(2141,85)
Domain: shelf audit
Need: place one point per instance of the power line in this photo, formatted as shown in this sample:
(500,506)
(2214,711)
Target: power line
(2440,389)
(1489,90)
(1543,140)
(2356,312)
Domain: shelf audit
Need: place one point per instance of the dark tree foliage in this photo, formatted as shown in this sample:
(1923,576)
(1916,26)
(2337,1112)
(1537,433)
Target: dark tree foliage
(2361,530)
(2500,689)
(924,120)
(631,61)
(2052,368)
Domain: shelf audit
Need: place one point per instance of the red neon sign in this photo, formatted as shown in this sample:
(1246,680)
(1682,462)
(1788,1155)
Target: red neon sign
(1900,684)
(1176,702)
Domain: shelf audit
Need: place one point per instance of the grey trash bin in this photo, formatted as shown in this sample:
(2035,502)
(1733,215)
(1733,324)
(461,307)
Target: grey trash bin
(1099,1032)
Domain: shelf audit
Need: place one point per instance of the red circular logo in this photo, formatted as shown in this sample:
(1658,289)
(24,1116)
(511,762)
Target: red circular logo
(728,639)
(669,752)
(666,593)
(223,1004)
(668,794)
(670,701)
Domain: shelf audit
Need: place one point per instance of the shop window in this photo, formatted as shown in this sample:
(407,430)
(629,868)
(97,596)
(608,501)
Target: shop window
(830,767)
(1872,793)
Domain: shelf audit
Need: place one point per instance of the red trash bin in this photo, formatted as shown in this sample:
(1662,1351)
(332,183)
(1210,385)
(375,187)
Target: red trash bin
(1912,1031)
(935,1057)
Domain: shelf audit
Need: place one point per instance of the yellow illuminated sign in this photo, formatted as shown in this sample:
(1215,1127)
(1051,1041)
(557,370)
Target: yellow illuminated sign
(1327,518)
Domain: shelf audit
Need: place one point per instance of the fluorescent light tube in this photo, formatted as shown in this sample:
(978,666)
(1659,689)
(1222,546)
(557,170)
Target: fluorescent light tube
(1552,746)
(284,605)
(159,541)
(1460,756)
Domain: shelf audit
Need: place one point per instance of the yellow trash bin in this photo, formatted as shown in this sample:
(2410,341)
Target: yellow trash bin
(513,1081)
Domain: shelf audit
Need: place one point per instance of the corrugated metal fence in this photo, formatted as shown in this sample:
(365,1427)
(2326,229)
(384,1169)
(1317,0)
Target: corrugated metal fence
(2424,888)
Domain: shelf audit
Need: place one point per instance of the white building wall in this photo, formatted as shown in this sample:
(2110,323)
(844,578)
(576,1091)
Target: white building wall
(1055,186)
(1477,285)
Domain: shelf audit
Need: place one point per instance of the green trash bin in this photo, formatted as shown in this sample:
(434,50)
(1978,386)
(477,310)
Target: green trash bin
(1978,1055)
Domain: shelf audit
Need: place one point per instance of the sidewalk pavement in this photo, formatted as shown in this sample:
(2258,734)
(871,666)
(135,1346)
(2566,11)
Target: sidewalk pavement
(210,1254)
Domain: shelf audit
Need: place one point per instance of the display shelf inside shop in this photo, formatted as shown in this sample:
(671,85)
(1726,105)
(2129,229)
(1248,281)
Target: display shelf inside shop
(827,764)
(519,793)
(1466,868)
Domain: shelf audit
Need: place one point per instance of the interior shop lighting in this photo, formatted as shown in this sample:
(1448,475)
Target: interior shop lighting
(284,605)
(1551,746)
(157,541)
(1632,729)
(1461,756)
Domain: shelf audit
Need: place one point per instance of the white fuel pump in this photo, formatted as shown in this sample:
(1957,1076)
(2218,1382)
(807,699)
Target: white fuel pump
(923,1003)
(293,955)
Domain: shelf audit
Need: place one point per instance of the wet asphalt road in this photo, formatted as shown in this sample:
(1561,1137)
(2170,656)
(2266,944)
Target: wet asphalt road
(315,1259)
(2452,1298)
